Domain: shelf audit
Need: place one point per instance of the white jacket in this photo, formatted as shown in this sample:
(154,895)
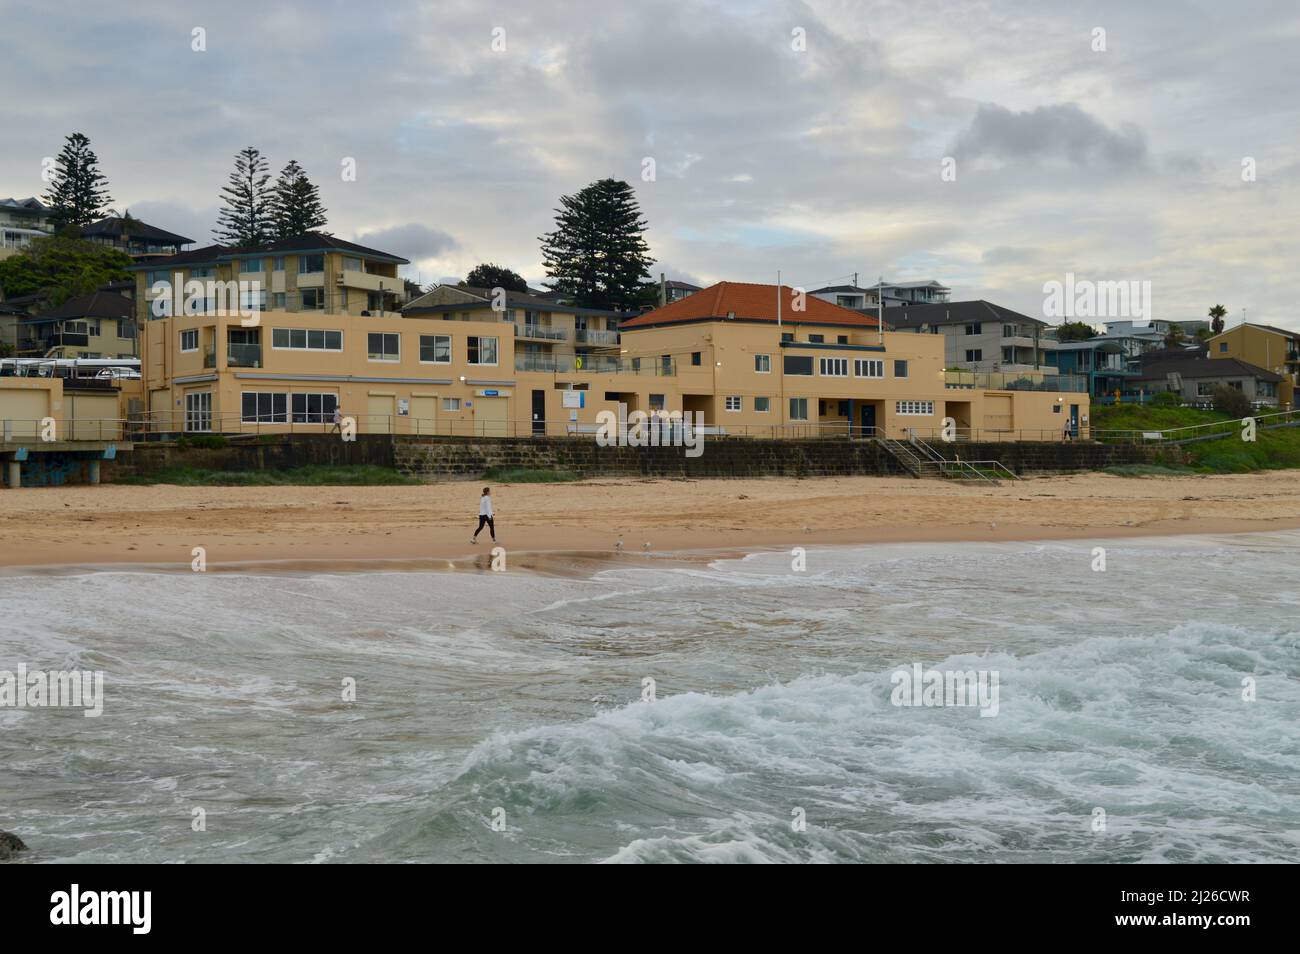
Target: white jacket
(485,506)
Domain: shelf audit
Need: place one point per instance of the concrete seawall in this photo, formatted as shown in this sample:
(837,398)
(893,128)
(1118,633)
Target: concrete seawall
(451,458)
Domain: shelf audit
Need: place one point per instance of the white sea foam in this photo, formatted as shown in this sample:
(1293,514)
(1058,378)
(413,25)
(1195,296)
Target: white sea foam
(476,691)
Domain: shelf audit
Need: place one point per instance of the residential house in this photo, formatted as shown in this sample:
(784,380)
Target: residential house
(894,294)
(309,272)
(1266,346)
(1195,379)
(979,335)
(101,325)
(1111,362)
(135,238)
(22,220)
(550,334)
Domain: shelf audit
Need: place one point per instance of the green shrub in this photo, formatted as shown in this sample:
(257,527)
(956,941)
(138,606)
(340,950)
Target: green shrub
(1232,402)
(522,475)
(1166,399)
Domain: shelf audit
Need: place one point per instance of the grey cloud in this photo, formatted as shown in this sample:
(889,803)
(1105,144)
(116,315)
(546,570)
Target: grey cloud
(1062,131)
(412,240)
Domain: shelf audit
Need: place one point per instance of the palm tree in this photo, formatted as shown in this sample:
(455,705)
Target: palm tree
(1217,314)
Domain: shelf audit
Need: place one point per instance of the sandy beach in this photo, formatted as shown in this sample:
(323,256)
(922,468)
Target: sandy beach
(160,525)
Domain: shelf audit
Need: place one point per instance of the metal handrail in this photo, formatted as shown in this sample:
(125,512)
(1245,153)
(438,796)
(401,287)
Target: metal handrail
(1160,434)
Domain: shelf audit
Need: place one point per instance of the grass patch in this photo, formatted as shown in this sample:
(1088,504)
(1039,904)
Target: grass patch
(1135,417)
(1272,450)
(523,475)
(209,441)
(311,475)
(1275,449)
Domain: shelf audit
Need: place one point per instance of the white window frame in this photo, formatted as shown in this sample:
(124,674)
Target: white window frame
(189,331)
(839,367)
(435,348)
(914,408)
(805,408)
(868,367)
(306,345)
(198,410)
(762,364)
(451,404)
(730,400)
(323,416)
(766,409)
(258,416)
(478,340)
(385,335)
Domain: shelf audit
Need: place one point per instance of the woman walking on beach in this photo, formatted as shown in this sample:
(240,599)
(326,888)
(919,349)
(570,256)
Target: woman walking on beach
(485,516)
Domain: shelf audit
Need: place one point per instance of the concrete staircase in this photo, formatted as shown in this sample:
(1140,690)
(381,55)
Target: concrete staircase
(922,460)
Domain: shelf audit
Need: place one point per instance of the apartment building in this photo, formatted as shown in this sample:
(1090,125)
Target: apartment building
(1265,346)
(101,325)
(449,366)
(312,272)
(550,335)
(135,238)
(979,335)
(893,294)
(22,220)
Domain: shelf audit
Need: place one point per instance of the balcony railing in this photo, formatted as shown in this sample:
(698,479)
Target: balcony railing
(592,364)
(525,329)
(243,355)
(1015,381)
(237,356)
(593,337)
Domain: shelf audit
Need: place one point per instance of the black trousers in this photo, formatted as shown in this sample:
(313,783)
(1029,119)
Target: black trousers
(490,525)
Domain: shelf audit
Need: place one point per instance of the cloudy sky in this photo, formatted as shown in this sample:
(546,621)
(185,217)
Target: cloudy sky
(806,137)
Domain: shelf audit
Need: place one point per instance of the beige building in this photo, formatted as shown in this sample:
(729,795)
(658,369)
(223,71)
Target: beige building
(312,272)
(101,325)
(821,370)
(1264,346)
(550,336)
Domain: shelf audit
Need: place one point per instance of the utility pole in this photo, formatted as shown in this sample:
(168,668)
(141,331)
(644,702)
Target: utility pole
(880,309)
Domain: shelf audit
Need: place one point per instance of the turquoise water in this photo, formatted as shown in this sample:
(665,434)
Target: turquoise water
(518,698)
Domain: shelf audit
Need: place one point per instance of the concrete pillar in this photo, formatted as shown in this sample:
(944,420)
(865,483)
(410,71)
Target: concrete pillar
(92,472)
(13,473)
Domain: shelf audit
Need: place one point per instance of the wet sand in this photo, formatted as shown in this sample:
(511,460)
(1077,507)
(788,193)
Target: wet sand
(555,527)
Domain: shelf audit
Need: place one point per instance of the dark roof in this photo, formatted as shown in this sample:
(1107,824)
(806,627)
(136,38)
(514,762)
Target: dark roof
(840,288)
(514,299)
(112,226)
(306,242)
(316,242)
(748,302)
(208,255)
(672,283)
(1206,368)
(1174,354)
(957,313)
(98,305)
(32,204)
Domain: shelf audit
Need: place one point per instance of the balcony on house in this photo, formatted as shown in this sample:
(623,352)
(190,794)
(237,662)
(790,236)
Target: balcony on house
(244,351)
(1015,381)
(594,364)
(539,332)
(244,355)
(594,337)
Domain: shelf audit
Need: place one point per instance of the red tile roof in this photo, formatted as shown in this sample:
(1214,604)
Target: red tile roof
(750,303)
